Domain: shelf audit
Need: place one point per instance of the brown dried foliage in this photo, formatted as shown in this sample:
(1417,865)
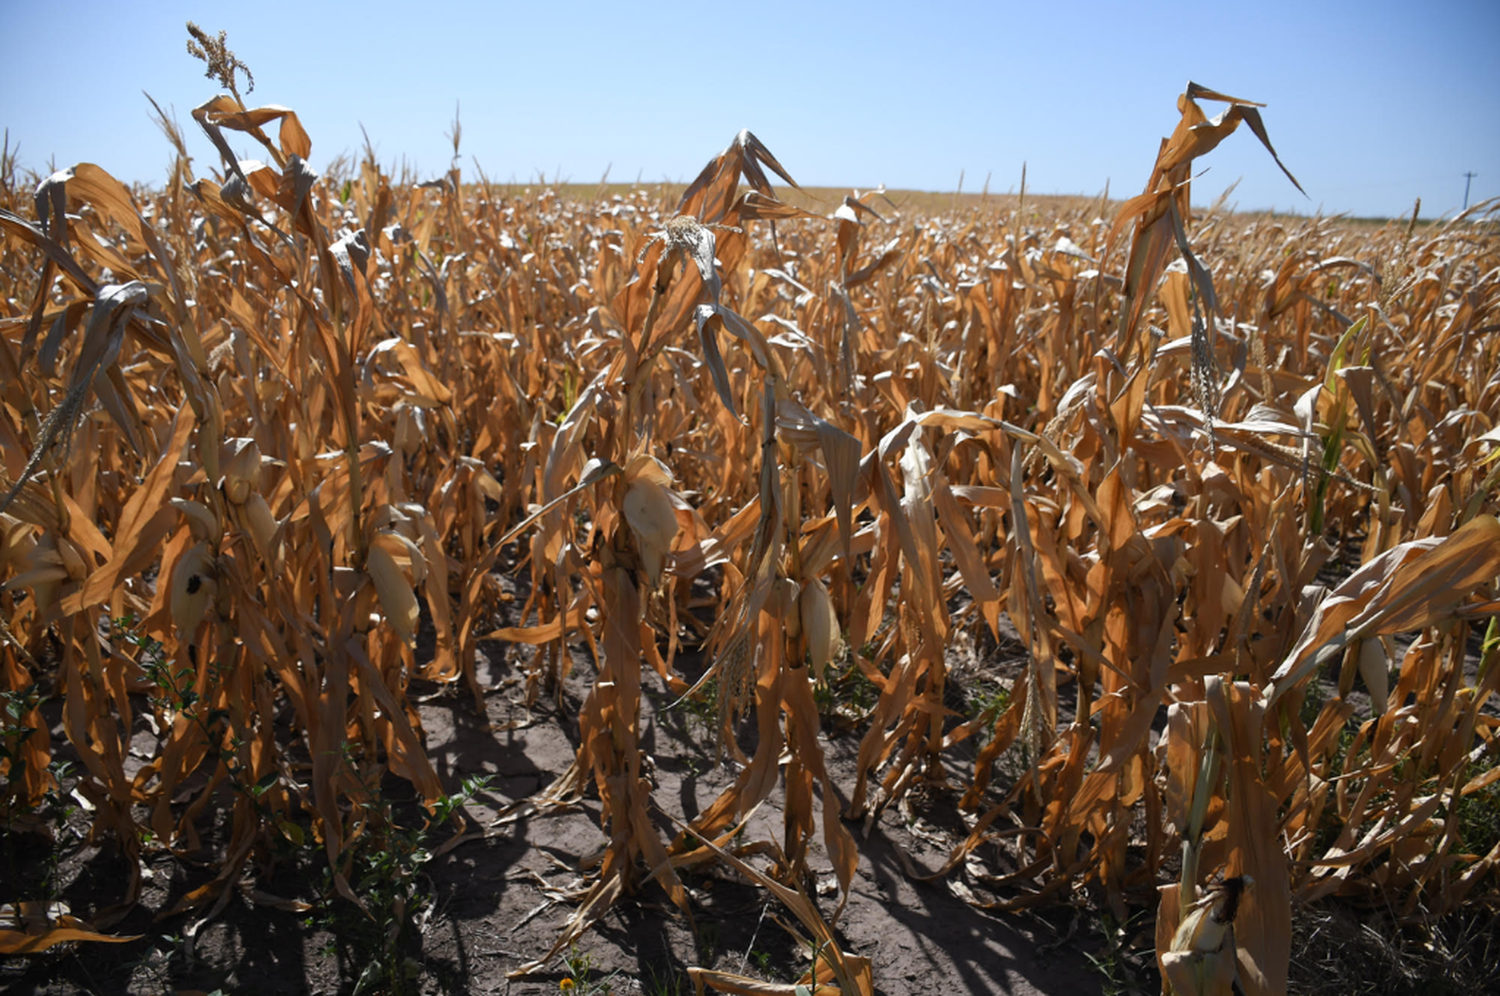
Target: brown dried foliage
(268,414)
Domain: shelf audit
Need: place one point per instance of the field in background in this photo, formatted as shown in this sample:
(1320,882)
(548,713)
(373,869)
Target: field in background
(911,205)
(280,448)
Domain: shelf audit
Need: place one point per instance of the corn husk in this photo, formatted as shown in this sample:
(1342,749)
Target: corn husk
(194,588)
(653,521)
(787,592)
(201,520)
(394,589)
(1374,668)
(239,462)
(821,623)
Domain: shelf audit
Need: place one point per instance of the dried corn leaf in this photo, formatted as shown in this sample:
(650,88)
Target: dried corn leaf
(1411,586)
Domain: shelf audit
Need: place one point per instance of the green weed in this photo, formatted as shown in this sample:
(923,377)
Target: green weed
(580,980)
(385,870)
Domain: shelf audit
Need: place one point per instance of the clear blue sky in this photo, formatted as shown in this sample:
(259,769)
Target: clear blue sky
(1370,104)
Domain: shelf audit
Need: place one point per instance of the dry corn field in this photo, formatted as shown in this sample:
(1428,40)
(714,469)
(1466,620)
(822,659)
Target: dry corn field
(1205,504)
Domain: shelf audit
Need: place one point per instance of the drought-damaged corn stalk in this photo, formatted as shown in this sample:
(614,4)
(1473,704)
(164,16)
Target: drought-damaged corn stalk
(313,418)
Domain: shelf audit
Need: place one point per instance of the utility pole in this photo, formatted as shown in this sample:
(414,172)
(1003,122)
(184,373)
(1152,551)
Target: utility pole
(1468,178)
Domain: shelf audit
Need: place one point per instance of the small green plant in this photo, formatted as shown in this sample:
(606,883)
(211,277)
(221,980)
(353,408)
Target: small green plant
(707,939)
(173,693)
(27,876)
(570,395)
(580,980)
(1113,959)
(703,708)
(824,699)
(846,693)
(987,700)
(37,878)
(670,984)
(15,706)
(385,871)
(1478,813)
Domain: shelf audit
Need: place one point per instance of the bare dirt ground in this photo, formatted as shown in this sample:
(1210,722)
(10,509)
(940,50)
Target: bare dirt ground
(491,902)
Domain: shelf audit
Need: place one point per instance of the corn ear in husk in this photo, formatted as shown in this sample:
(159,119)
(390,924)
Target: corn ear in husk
(239,460)
(653,521)
(392,586)
(261,523)
(194,587)
(821,624)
